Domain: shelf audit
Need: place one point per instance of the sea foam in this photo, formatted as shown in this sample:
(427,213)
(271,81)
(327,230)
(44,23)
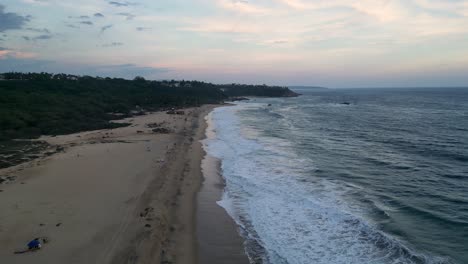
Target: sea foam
(285,216)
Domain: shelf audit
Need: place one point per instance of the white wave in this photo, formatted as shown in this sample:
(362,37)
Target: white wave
(295,218)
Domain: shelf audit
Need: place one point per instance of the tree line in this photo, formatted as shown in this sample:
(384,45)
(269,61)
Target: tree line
(34,104)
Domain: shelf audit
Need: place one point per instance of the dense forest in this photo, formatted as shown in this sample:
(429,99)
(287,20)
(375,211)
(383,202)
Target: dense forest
(34,104)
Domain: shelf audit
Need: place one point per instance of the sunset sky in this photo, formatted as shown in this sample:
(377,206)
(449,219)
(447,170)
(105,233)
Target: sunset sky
(333,43)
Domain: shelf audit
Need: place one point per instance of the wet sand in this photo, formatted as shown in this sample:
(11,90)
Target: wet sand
(218,239)
(125,195)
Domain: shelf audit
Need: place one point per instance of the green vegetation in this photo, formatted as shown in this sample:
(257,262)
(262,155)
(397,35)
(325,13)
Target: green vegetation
(35,104)
(14,152)
(236,90)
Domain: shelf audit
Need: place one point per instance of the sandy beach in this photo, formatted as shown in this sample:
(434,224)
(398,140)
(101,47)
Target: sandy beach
(126,195)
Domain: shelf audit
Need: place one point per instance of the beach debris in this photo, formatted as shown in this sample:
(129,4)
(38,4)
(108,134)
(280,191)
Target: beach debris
(161,130)
(158,128)
(59,224)
(49,153)
(148,225)
(7,179)
(139,131)
(156,124)
(146,212)
(175,112)
(60,149)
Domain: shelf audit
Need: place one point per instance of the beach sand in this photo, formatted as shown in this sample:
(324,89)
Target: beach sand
(125,195)
(218,239)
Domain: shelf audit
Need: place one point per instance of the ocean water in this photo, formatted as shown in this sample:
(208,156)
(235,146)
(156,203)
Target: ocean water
(381,180)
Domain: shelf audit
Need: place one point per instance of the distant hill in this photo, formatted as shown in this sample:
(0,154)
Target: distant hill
(235,90)
(308,88)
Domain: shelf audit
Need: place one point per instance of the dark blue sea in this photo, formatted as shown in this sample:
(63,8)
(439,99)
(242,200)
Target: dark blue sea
(382,179)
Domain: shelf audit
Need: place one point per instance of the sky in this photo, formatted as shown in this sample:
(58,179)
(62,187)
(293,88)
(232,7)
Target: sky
(332,43)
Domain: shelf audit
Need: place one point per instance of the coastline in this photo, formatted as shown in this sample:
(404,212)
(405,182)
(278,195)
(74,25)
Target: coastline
(218,238)
(124,195)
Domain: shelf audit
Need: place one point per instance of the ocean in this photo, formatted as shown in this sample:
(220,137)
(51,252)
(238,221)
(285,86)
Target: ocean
(380,179)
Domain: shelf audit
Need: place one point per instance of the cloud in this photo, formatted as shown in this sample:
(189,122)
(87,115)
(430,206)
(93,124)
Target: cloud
(222,25)
(42,37)
(333,37)
(129,71)
(72,17)
(11,21)
(38,2)
(99,15)
(278,42)
(12,63)
(6,54)
(242,6)
(39,30)
(113,44)
(128,16)
(117,3)
(142,28)
(104,28)
(122,4)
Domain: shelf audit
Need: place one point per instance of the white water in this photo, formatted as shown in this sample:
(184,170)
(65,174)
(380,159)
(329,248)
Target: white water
(293,217)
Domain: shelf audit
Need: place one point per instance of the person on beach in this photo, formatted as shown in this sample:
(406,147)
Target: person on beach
(34,244)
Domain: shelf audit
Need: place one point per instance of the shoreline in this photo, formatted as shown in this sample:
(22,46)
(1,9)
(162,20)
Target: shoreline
(218,236)
(123,195)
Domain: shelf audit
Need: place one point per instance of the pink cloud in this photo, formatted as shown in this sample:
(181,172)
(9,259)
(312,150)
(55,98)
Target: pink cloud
(242,6)
(16,54)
